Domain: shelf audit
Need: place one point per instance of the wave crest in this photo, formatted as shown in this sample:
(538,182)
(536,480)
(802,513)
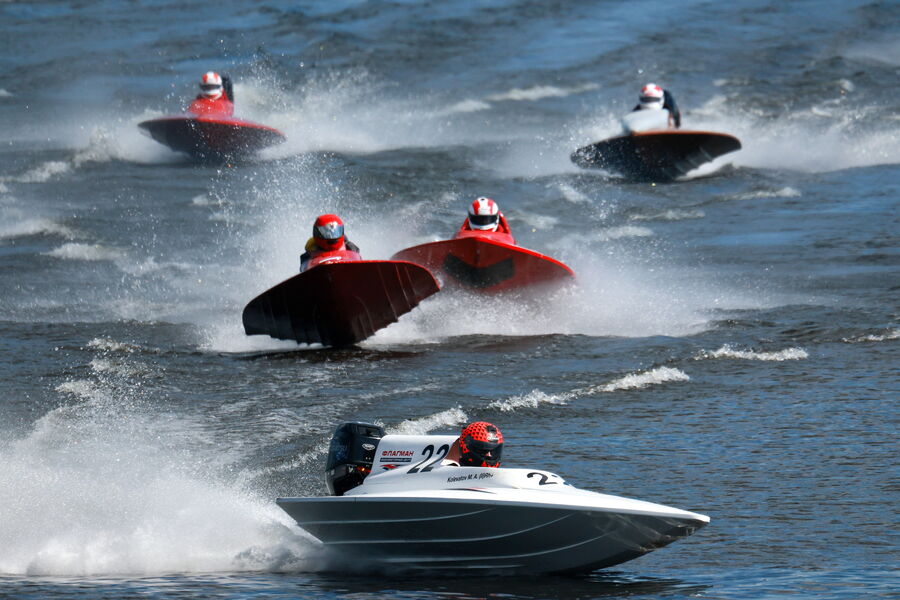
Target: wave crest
(727,351)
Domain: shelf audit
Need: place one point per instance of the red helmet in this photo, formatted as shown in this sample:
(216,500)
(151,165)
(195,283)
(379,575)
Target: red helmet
(652,96)
(480,445)
(484,214)
(211,85)
(328,231)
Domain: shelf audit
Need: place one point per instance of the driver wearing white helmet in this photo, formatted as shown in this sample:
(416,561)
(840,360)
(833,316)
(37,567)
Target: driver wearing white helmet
(216,96)
(653,97)
(484,215)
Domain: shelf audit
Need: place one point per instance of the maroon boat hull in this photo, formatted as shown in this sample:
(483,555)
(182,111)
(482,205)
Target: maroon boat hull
(212,137)
(339,303)
(486,265)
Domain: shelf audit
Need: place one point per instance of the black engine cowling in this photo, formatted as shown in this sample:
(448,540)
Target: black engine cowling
(350,456)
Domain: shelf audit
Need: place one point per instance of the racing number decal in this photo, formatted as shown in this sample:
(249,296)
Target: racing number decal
(441,453)
(543,477)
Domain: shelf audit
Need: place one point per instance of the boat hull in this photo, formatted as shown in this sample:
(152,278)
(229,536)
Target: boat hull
(212,137)
(420,533)
(655,155)
(484,265)
(339,303)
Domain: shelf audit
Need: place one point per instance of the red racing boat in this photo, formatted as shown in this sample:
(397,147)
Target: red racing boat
(487,262)
(339,300)
(211,136)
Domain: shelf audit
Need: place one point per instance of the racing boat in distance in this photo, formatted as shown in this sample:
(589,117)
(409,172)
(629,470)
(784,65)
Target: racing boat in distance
(212,137)
(487,262)
(339,300)
(649,151)
(398,504)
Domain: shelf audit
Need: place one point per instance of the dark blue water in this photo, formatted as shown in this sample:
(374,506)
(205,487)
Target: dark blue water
(731,348)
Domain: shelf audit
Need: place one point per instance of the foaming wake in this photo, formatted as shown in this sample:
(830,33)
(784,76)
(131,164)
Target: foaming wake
(41,173)
(609,298)
(785,192)
(87,252)
(34,226)
(893,334)
(634,381)
(621,231)
(838,135)
(631,381)
(108,485)
(350,111)
(728,351)
(532,94)
(672,214)
(423,425)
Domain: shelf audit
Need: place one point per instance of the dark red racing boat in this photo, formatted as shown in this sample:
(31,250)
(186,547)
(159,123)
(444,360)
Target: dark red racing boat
(212,137)
(487,262)
(339,300)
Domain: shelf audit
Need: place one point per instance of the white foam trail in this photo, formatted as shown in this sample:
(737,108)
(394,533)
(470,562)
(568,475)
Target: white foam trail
(468,106)
(572,195)
(622,231)
(540,92)
(894,334)
(672,214)
(87,252)
(838,134)
(83,389)
(230,337)
(531,94)
(532,399)
(109,345)
(34,226)
(117,367)
(43,172)
(655,376)
(536,221)
(109,485)
(785,192)
(5,94)
(727,351)
(350,111)
(632,381)
(423,425)
(609,298)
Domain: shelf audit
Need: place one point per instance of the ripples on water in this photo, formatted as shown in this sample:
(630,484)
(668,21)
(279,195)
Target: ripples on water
(731,347)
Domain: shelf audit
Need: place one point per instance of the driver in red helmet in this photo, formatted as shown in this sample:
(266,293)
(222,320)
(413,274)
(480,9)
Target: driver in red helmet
(328,236)
(216,96)
(480,444)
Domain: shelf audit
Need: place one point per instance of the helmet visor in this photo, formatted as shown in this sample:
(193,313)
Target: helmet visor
(484,220)
(210,87)
(329,231)
(650,100)
(482,453)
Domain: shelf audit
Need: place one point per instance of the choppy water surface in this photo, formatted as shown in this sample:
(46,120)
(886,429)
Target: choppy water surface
(731,348)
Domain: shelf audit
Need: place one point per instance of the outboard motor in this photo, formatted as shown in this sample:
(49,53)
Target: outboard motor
(350,456)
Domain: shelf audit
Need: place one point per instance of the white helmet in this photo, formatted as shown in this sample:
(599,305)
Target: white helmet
(211,85)
(652,96)
(484,215)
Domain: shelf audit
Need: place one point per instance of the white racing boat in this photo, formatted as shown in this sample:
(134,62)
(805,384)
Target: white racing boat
(414,511)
